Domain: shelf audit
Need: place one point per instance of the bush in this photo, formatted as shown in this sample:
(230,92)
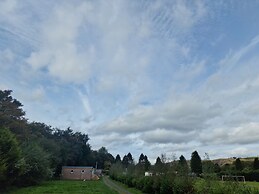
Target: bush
(166,186)
(217,187)
(36,167)
(148,185)
(11,161)
(183,185)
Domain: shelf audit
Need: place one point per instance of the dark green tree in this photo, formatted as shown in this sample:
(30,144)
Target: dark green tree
(256,164)
(158,161)
(125,161)
(11,161)
(159,166)
(118,159)
(130,158)
(182,165)
(196,164)
(147,164)
(12,115)
(141,159)
(238,164)
(37,168)
(10,108)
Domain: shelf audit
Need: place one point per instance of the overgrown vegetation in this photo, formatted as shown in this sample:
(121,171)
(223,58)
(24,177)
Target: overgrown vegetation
(176,177)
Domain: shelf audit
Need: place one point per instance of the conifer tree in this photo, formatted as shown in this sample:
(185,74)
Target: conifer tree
(196,165)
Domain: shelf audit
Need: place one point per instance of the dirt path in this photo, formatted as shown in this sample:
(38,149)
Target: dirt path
(114,186)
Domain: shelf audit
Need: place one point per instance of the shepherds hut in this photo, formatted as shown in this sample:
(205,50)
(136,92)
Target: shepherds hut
(78,173)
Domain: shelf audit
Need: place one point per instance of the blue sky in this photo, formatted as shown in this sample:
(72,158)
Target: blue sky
(138,76)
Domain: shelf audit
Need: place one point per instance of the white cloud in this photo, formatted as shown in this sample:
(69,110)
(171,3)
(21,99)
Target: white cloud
(60,53)
(246,133)
(147,83)
(7,8)
(168,136)
(186,16)
(178,114)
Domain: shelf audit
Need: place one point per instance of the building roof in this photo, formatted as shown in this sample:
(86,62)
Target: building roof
(77,167)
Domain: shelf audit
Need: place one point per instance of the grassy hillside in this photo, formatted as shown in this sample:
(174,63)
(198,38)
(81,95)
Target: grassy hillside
(224,161)
(67,187)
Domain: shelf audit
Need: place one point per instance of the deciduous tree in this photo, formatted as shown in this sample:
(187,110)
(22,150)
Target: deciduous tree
(11,161)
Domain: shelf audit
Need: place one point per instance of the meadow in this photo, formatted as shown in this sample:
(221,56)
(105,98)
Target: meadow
(67,187)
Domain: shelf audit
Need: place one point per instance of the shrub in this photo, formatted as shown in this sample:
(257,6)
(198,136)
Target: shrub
(166,186)
(11,161)
(183,185)
(36,167)
(148,185)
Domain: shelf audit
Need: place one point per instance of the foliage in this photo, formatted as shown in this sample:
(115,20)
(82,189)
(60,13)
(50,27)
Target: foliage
(256,164)
(118,158)
(127,160)
(11,162)
(204,186)
(183,166)
(196,164)
(36,165)
(238,164)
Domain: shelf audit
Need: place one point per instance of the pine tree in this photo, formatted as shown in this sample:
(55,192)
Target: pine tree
(130,158)
(118,159)
(256,164)
(158,161)
(182,166)
(125,161)
(238,164)
(147,163)
(196,165)
(141,159)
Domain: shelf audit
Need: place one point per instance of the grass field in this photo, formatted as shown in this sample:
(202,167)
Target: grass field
(253,184)
(227,187)
(67,187)
(130,189)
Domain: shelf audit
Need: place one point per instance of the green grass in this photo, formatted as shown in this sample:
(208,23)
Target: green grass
(202,185)
(130,189)
(253,184)
(67,187)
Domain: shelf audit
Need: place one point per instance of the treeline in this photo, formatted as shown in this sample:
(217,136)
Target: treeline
(31,152)
(180,176)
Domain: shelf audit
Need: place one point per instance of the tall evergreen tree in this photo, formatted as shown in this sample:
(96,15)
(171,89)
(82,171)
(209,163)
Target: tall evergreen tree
(256,164)
(141,159)
(238,164)
(125,161)
(147,164)
(196,164)
(130,158)
(118,159)
(182,165)
(158,161)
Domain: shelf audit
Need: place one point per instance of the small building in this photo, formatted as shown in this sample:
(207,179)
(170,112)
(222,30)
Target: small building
(78,173)
(148,174)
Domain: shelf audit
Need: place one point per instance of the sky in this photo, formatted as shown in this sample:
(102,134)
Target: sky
(141,76)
